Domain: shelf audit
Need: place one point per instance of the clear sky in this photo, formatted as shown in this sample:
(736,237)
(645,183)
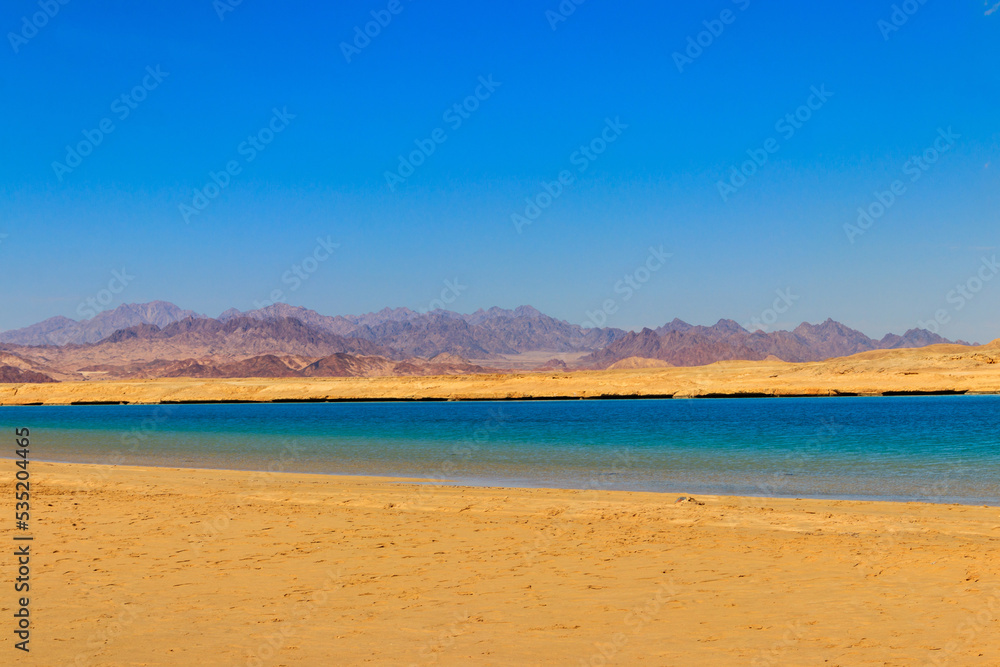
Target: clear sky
(643,108)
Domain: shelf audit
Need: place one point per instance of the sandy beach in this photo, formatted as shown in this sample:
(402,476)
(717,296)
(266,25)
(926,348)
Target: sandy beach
(144,566)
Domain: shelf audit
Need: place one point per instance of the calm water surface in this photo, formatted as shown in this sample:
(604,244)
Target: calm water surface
(939,448)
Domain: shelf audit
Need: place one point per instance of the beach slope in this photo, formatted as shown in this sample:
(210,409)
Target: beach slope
(181,567)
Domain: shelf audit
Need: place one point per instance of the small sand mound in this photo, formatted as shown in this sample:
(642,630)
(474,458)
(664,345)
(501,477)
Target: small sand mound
(639,362)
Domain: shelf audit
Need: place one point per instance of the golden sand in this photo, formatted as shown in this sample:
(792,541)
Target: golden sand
(144,566)
(934,369)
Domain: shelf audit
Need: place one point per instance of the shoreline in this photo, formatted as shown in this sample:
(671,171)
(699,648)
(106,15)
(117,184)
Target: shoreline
(139,565)
(465,485)
(432,399)
(498,485)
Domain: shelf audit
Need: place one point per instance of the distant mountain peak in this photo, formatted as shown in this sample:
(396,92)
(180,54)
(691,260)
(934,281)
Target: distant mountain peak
(729,326)
(527,311)
(141,333)
(726,340)
(62,330)
(402,313)
(675,324)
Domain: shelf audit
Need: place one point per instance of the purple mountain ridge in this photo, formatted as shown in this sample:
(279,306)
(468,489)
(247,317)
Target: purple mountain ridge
(62,330)
(402,333)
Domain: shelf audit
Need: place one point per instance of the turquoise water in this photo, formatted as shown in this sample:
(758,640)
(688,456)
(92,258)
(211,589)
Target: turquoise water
(937,448)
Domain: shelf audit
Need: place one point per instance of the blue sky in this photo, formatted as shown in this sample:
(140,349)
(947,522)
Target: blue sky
(679,128)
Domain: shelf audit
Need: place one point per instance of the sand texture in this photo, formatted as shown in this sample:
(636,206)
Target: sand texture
(934,369)
(140,566)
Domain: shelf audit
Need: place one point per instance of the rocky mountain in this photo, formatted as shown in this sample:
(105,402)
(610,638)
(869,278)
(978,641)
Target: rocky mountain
(912,338)
(53,331)
(19,369)
(674,325)
(11,374)
(146,350)
(238,337)
(162,340)
(63,331)
(263,366)
(344,365)
(435,333)
(832,339)
(339,325)
(485,334)
(335,365)
(684,345)
(526,329)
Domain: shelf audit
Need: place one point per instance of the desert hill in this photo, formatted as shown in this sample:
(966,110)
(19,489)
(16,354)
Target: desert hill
(638,362)
(937,369)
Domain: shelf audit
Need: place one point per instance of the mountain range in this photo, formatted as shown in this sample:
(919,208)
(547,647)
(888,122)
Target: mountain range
(160,339)
(681,344)
(62,330)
